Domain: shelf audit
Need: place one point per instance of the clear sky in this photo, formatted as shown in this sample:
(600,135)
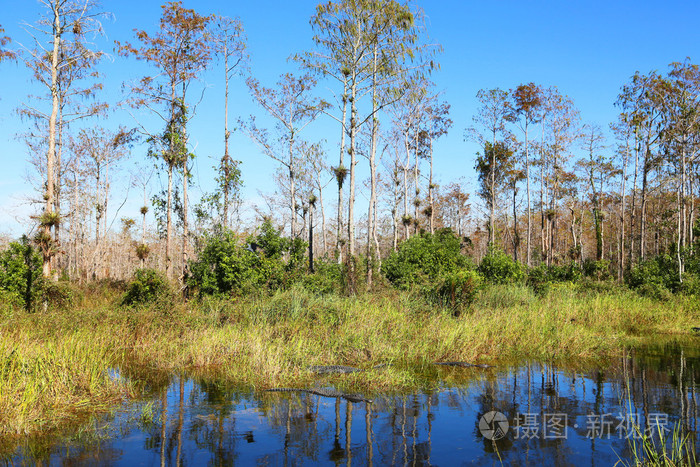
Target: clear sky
(587,49)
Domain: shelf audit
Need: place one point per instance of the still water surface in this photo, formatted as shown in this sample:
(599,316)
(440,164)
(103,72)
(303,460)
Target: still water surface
(553,416)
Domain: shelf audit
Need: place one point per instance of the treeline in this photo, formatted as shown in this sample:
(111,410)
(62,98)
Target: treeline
(557,192)
(622,201)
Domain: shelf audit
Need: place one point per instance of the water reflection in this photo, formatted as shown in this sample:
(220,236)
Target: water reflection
(556,417)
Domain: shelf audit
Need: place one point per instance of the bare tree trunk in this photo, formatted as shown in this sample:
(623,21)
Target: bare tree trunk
(171,166)
(323,219)
(353,156)
(292,184)
(99,210)
(352,272)
(633,210)
(529,209)
(311,238)
(621,254)
(227,134)
(185,204)
(516,236)
(73,227)
(431,201)
(169,225)
(185,231)
(643,220)
(395,211)
(681,214)
(371,224)
(573,230)
(492,208)
(58,187)
(543,201)
(406,217)
(51,153)
(691,214)
(340,177)
(416,200)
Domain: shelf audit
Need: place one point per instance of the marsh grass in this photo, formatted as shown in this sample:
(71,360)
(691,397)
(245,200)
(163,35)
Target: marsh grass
(673,449)
(55,364)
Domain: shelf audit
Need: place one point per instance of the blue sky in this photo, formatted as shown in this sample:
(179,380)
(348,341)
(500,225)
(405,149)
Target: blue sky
(586,49)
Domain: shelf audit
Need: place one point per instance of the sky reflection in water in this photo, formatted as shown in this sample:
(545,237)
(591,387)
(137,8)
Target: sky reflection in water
(555,417)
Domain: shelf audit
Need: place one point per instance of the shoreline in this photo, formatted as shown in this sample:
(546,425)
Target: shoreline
(56,363)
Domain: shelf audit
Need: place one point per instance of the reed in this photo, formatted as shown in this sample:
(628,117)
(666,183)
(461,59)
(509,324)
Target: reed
(55,365)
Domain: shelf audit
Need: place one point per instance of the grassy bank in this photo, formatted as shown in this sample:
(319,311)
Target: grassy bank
(55,364)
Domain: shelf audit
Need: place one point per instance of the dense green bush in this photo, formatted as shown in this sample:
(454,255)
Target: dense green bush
(499,268)
(147,286)
(20,274)
(328,277)
(425,257)
(691,284)
(456,290)
(599,270)
(540,278)
(226,266)
(60,295)
(656,277)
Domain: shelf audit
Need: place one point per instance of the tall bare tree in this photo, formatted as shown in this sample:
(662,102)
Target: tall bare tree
(61,48)
(293,108)
(679,103)
(179,50)
(230,45)
(491,118)
(598,169)
(527,99)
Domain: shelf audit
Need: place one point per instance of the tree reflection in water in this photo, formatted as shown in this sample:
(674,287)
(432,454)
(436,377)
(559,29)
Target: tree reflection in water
(208,422)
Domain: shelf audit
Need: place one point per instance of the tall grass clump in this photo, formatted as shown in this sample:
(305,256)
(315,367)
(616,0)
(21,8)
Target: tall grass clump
(45,383)
(674,449)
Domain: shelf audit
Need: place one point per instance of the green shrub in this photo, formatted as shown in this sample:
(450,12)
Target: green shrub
(9,302)
(59,295)
(425,257)
(226,266)
(20,274)
(691,284)
(599,270)
(499,268)
(455,290)
(328,278)
(654,290)
(653,276)
(540,278)
(147,286)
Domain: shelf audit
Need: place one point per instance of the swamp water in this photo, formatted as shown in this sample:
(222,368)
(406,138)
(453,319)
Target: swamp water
(533,414)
